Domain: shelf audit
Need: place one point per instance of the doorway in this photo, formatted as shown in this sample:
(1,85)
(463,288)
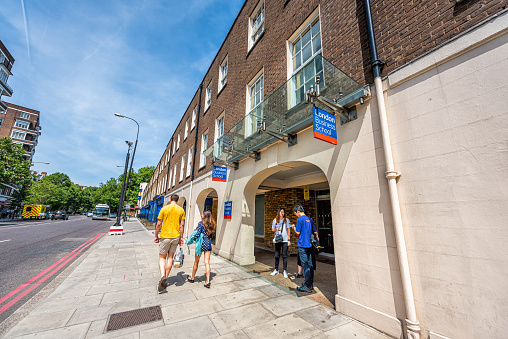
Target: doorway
(324,220)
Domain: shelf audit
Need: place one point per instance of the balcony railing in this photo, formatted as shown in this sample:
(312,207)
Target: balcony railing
(285,112)
(4,61)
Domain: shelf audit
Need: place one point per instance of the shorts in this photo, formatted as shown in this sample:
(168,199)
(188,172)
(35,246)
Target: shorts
(168,245)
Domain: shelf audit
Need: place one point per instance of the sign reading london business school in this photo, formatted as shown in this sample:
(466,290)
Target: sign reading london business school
(228,209)
(325,126)
(219,173)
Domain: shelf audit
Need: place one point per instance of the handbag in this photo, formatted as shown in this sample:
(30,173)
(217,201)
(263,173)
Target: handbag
(315,243)
(278,236)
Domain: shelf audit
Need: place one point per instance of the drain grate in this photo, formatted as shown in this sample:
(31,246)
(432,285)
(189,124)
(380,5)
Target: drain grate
(140,316)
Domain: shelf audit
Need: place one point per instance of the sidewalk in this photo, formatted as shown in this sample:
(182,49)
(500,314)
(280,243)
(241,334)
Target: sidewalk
(121,274)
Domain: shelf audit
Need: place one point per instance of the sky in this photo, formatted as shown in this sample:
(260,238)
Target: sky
(79,62)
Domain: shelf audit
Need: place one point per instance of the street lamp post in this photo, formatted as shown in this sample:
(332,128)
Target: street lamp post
(123,184)
(133,153)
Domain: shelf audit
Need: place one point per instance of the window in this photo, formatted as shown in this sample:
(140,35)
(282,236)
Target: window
(3,76)
(204,146)
(22,124)
(256,96)
(18,135)
(182,168)
(304,47)
(189,163)
(256,24)
(186,133)
(219,132)
(178,143)
(208,96)
(24,115)
(223,74)
(174,174)
(1,121)
(193,121)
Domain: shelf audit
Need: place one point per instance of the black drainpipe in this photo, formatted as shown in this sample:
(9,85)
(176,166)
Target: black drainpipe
(377,65)
(196,136)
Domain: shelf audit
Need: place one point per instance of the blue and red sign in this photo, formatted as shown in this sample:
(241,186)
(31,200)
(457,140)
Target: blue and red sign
(228,209)
(325,126)
(219,173)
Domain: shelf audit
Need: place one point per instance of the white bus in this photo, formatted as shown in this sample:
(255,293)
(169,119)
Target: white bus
(100,212)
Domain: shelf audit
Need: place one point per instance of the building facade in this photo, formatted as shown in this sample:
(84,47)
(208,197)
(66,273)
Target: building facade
(410,199)
(22,125)
(6,62)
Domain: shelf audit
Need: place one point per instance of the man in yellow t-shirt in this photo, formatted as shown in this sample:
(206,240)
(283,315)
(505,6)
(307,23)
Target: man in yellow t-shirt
(171,219)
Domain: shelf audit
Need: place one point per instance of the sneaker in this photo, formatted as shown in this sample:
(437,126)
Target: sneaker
(285,274)
(298,275)
(275,272)
(304,289)
(162,284)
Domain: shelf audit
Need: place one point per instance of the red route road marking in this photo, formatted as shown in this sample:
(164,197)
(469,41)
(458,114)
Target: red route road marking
(33,286)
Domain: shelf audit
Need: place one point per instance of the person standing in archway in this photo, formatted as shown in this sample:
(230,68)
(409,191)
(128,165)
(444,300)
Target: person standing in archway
(280,226)
(304,228)
(170,224)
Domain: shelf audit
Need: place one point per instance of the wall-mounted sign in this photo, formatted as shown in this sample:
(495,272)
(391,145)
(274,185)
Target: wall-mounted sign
(219,173)
(325,126)
(228,209)
(306,193)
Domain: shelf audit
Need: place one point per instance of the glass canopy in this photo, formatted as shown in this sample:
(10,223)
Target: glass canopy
(285,111)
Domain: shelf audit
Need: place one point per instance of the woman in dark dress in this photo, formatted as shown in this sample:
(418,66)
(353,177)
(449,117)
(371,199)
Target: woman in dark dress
(206,227)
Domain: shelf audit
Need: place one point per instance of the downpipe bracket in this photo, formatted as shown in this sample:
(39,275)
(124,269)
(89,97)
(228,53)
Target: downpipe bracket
(392,174)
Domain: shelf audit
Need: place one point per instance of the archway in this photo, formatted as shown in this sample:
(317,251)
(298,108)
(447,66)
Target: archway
(287,185)
(207,200)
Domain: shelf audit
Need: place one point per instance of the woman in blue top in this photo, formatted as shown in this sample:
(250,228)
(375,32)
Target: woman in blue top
(282,240)
(206,227)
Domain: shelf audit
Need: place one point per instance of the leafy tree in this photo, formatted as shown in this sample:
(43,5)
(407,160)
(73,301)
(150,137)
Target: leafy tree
(14,169)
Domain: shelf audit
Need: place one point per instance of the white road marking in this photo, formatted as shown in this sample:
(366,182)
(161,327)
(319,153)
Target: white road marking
(5,240)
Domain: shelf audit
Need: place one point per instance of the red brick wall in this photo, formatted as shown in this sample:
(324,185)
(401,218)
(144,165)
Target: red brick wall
(404,30)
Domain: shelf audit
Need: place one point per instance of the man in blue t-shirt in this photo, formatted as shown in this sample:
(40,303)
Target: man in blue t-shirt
(304,228)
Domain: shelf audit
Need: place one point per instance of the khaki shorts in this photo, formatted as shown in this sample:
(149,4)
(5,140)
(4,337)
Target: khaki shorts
(168,245)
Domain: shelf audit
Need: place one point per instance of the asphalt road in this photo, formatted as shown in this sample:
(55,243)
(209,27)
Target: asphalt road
(34,252)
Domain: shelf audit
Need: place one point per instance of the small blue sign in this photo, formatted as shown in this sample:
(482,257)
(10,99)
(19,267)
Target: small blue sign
(219,173)
(228,209)
(325,126)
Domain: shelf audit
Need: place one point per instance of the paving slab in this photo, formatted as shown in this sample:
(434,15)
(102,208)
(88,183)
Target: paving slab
(214,290)
(234,335)
(168,299)
(286,304)
(274,291)
(323,317)
(76,331)
(240,318)
(101,289)
(137,293)
(196,328)
(97,328)
(354,330)
(176,313)
(240,298)
(251,283)
(87,315)
(289,326)
(58,305)
(40,322)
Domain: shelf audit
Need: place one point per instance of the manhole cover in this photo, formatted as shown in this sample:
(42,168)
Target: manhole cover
(140,316)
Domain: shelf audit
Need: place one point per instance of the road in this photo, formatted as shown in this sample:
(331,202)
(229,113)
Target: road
(34,252)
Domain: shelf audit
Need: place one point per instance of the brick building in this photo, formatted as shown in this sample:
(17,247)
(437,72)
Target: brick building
(6,62)
(410,201)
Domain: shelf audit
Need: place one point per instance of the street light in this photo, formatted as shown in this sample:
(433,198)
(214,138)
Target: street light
(133,153)
(40,162)
(122,193)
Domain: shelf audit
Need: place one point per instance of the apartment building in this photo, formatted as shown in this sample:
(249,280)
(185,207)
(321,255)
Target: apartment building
(409,194)
(22,125)
(6,62)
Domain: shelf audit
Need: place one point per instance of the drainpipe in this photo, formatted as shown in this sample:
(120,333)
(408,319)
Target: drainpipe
(412,323)
(194,154)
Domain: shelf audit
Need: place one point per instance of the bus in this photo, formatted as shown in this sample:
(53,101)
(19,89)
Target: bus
(100,212)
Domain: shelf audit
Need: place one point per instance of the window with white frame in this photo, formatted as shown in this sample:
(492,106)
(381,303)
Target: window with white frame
(24,115)
(186,132)
(193,121)
(174,174)
(208,96)
(178,142)
(170,177)
(1,121)
(182,168)
(204,146)
(219,132)
(223,74)
(174,147)
(22,124)
(189,162)
(18,135)
(256,24)
(304,47)
(255,95)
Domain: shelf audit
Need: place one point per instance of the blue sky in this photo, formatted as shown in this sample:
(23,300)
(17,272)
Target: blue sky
(79,62)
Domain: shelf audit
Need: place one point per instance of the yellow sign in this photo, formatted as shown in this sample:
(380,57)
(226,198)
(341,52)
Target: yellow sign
(306,193)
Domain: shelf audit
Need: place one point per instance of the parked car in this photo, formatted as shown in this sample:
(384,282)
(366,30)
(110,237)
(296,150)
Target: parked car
(89,214)
(60,215)
(112,215)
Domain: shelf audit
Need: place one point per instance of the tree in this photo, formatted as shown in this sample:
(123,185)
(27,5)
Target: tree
(56,190)
(14,169)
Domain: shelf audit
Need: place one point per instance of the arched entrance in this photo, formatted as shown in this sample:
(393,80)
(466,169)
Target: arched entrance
(207,200)
(287,185)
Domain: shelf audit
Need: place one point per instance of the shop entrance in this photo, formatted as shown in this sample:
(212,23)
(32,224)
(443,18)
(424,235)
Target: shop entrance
(206,201)
(324,220)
